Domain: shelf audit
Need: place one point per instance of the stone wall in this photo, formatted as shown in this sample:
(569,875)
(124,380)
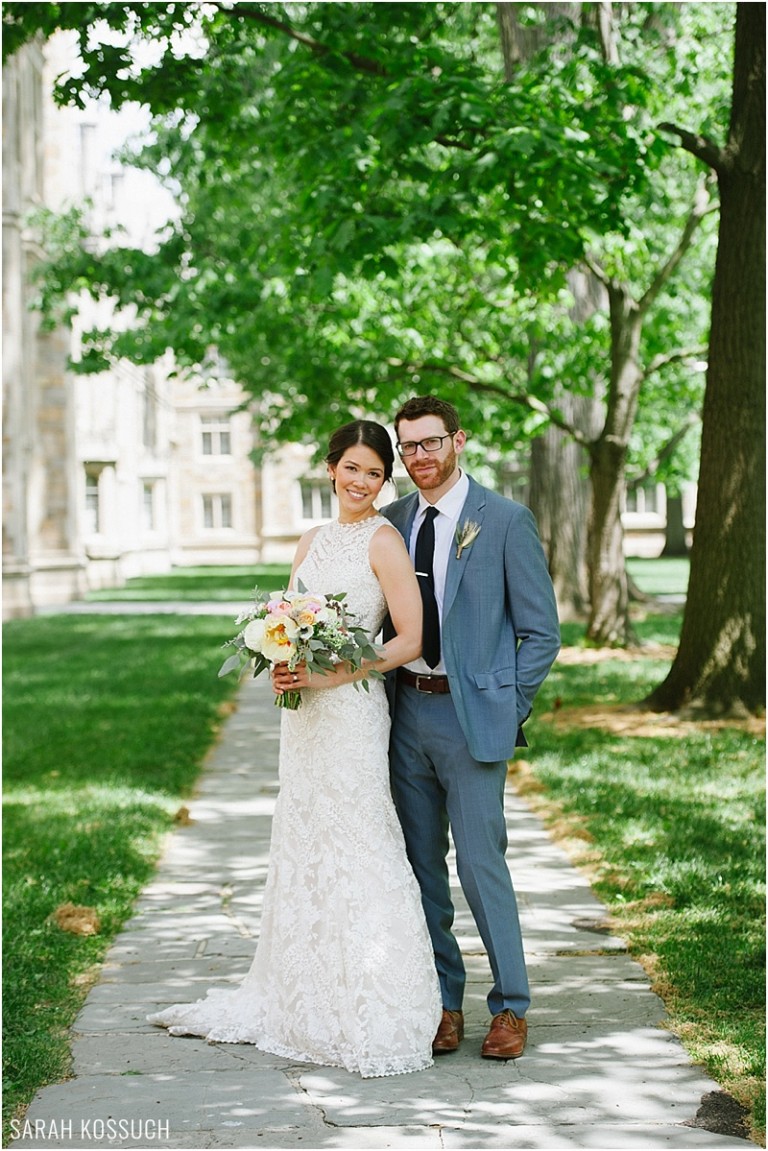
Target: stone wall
(42,561)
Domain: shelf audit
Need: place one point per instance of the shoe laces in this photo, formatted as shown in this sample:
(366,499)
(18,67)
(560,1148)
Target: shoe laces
(507,1018)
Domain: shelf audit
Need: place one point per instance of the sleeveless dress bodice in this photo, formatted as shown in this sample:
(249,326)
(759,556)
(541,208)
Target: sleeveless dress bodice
(338,561)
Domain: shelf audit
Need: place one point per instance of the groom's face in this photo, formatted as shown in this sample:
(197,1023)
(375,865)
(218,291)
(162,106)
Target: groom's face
(430,470)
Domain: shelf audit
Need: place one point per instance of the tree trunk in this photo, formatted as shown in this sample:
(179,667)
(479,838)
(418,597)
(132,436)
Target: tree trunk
(720,664)
(607,585)
(560,495)
(520,41)
(559,500)
(559,482)
(608,623)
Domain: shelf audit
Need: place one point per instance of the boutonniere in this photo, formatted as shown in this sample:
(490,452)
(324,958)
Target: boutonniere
(466,534)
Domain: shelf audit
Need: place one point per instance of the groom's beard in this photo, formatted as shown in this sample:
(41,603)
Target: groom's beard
(430,473)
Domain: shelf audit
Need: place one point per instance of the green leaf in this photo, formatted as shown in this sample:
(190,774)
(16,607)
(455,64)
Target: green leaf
(234,661)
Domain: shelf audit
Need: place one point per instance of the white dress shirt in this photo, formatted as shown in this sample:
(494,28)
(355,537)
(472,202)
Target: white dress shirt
(449,508)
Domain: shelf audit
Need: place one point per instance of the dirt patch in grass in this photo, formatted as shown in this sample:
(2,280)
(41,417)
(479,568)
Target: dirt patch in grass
(571,655)
(623,719)
(634,719)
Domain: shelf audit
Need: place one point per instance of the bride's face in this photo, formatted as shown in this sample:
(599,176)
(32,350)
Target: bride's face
(359,477)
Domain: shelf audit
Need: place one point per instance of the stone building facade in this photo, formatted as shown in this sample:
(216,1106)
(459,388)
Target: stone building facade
(132,470)
(214,487)
(42,556)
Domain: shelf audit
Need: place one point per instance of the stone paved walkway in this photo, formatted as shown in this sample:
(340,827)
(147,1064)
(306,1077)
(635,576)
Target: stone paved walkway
(600,1070)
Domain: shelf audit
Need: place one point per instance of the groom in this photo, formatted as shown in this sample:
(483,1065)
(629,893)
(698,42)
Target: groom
(491,635)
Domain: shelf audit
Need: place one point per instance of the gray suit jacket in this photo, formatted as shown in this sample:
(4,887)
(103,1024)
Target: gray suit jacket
(500,630)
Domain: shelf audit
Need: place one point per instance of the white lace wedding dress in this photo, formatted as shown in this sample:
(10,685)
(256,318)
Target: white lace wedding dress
(344,972)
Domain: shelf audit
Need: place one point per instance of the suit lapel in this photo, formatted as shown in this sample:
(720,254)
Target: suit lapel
(405,515)
(474,510)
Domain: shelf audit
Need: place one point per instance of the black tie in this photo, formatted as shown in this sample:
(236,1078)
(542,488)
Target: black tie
(425,551)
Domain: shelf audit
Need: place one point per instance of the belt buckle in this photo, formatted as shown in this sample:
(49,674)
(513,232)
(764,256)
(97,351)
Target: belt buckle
(419,678)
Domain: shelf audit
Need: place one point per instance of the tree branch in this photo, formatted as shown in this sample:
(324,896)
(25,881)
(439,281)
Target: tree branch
(661,361)
(607,32)
(597,270)
(701,206)
(699,146)
(665,451)
(360,63)
(525,399)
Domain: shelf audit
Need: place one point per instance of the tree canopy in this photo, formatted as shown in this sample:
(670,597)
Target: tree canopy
(368,205)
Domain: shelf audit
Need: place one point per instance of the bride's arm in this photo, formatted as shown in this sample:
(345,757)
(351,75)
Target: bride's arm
(393,568)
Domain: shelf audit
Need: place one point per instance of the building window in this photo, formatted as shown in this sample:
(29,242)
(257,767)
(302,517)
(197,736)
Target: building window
(87,157)
(217,511)
(642,501)
(217,439)
(316,500)
(92,523)
(149,413)
(148,514)
(113,187)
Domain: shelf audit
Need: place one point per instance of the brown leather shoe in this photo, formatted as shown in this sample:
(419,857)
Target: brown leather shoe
(506,1038)
(450,1032)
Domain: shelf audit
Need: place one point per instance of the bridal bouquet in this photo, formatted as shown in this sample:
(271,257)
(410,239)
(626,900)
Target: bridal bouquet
(298,627)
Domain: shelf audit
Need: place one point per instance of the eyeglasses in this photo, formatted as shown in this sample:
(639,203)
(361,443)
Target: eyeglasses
(431,444)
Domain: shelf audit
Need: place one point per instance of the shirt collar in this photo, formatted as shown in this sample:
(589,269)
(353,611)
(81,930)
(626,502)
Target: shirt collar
(452,502)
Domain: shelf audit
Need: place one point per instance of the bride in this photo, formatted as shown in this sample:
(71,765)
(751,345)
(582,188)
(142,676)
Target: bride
(344,973)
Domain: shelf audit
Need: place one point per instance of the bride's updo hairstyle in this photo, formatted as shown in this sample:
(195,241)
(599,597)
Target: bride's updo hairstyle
(367,432)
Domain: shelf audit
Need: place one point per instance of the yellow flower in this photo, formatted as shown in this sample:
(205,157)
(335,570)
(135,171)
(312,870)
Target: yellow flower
(466,534)
(278,643)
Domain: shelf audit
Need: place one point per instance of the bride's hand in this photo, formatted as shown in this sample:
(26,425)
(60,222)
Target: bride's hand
(284,680)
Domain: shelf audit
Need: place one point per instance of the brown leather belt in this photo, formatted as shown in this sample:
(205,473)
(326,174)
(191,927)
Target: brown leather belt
(432,684)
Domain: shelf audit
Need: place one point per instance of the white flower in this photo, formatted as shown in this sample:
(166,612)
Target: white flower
(253,635)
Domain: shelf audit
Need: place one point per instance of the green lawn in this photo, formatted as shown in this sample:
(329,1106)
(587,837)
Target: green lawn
(660,576)
(198,583)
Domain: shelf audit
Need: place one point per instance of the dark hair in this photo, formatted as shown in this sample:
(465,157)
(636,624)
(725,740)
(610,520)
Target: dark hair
(419,406)
(366,432)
